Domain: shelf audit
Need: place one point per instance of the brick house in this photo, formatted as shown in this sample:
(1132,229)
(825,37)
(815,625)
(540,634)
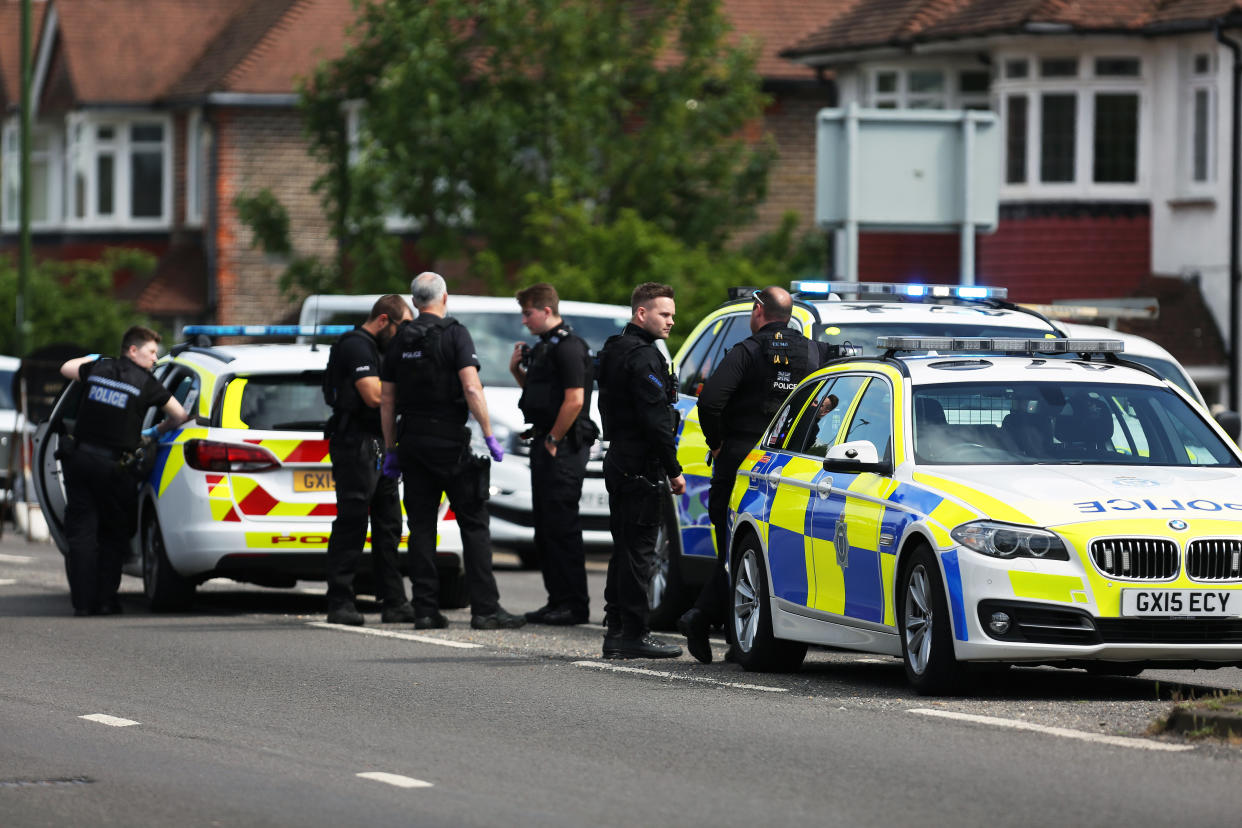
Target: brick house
(1115,120)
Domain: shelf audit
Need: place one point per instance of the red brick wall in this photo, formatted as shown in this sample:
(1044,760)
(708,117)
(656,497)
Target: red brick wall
(790,122)
(257,149)
(908,257)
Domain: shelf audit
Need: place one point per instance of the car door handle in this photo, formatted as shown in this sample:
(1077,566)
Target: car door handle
(824,489)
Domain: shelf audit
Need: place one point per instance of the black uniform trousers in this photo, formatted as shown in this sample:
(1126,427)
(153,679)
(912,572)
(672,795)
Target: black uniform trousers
(635,505)
(556,488)
(713,600)
(362,492)
(100,513)
(430,468)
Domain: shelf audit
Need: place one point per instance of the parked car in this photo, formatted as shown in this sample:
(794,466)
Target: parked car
(1143,351)
(12,429)
(495,323)
(956,509)
(242,491)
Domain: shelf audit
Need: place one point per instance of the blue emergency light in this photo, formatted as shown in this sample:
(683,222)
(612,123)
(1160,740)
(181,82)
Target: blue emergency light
(898,290)
(265,330)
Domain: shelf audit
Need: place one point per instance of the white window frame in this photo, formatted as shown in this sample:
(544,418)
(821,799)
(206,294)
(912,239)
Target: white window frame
(86,152)
(198,141)
(1085,87)
(394,222)
(53,156)
(902,98)
(1192,85)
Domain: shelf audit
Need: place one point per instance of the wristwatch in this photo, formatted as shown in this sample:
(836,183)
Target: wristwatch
(552,441)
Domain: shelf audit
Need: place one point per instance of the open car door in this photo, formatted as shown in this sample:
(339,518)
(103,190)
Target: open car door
(49,483)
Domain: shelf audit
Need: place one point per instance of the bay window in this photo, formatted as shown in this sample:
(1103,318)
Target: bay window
(45,161)
(120,171)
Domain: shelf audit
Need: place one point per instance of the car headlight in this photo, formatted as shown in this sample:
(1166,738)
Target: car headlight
(1004,540)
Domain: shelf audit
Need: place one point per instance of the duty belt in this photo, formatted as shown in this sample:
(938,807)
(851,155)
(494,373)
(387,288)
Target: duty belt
(107,452)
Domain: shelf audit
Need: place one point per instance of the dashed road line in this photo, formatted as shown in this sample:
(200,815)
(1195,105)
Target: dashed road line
(394,779)
(7,581)
(425,639)
(642,671)
(20,559)
(111,721)
(1063,732)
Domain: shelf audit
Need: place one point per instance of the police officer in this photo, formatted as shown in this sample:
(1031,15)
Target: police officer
(555,377)
(636,391)
(355,440)
(737,402)
(101,492)
(430,379)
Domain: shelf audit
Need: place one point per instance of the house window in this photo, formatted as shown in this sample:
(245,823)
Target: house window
(1199,121)
(973,87)
(929,87)
(198,165)
(1058,68)
(1016,69)
(1015,139)
(1116,138)
(926,89)
(44,176)
(1057,137)
(1117,67)
(120,171)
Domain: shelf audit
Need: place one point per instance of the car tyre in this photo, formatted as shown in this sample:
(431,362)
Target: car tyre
(667,595)
(454,589)
(757,649)
(165,588)
(924,626)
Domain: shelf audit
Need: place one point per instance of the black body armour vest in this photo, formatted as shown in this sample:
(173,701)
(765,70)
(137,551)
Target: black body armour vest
(781,360)
(111,414)
(544,391)
(616,404)
(427,386)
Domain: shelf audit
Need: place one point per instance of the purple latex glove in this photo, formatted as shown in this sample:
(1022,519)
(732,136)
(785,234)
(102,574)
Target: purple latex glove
(391,467)
(493,445)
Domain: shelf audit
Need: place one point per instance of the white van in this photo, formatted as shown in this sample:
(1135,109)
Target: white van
(495,323)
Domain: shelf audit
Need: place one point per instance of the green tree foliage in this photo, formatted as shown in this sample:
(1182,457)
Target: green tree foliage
(72,301)
(477,112)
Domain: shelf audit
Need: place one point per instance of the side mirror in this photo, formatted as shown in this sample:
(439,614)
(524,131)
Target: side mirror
(1230,422)
(856,457)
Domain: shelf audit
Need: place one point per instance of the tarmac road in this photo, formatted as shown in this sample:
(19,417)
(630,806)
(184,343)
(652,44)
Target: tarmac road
(246,711)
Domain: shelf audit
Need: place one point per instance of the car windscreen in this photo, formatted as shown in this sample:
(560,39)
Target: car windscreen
(1073,423)
(494,333)
(276,402)
(864,334)
(6,390)
(1167,370)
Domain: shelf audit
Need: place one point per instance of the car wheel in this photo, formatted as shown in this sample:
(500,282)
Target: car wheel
(757,648)
(923,619)
(666,593)
(165,588)
(454,589)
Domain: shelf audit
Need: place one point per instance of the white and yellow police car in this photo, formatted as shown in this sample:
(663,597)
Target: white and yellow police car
(954,501)
(243,490)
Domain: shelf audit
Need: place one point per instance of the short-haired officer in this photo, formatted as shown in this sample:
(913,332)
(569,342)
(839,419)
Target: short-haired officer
(636,392)
(101,493)
(356,444)
(736,404)
(555,377)
(431,379)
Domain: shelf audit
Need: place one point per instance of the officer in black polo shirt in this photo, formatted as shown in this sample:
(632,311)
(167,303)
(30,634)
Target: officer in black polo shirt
(356,442)
(430,379)
(555,376)
(738,401)
(101,493)
(636,392)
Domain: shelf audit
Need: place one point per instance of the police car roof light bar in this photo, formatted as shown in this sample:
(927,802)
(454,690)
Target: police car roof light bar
(899,290)
(999,345)
(265,330)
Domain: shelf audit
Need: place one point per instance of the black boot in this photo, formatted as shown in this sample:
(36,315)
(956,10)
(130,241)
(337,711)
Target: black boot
(635,642)
(693,625)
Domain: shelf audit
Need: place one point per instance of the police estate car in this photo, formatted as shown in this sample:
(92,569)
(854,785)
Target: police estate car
(842,313)
(973,500)
(244,490)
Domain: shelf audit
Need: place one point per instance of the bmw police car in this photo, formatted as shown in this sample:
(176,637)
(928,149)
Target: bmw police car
(244,490)
(974,500)
(842,313)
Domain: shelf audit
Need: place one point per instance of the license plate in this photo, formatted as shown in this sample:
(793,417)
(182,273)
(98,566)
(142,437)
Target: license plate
(1188,603)
(313,481)
(593,500)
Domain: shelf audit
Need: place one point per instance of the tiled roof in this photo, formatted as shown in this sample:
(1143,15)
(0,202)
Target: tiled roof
(774,24)
(179,285)
(866,24)
(11,48)
(1184,327)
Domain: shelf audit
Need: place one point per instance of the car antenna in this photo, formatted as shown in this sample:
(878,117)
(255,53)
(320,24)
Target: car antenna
(315,329)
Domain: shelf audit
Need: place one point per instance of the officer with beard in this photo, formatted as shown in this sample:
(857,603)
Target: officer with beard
(355,441)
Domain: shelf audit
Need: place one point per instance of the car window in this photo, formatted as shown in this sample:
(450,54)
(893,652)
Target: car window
(278,402)
(691,381)
(872,420)
(6,390)
(1167,370)
(180,382)
(594,329)
(788,415)
(1041,422)
(822,421)
(865,334)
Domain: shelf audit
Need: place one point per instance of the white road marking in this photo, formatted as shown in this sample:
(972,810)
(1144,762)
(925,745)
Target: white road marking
(111,721)
(1063,732)
(616,668)
(15,558)
(394,779)
(313,591)
(443,642)
(7,581)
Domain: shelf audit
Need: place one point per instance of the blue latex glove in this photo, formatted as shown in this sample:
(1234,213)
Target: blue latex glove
(92,357)
(153,431)
(391,467)
(493,445)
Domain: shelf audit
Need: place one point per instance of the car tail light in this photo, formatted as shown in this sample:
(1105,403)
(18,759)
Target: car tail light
(208,455)
(449,514)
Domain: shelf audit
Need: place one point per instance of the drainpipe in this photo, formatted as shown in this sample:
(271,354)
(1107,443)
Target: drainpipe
(1233,212)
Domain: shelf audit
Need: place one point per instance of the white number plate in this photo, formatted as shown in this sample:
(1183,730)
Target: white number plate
(1167,603)
(593,501)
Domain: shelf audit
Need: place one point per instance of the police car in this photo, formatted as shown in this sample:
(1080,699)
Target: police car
(958,501)
(843,313)
(244,490)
